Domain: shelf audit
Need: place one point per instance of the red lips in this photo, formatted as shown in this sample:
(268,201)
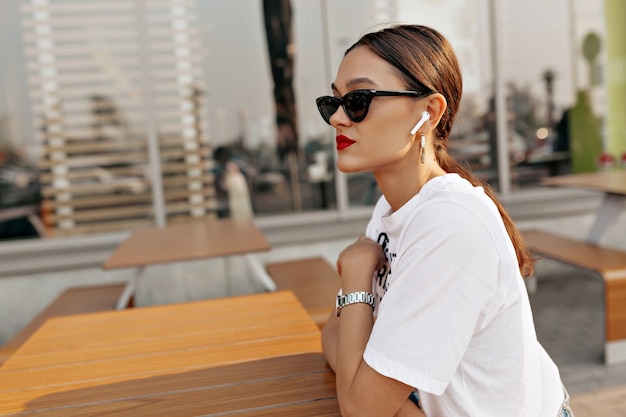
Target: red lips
(343,142)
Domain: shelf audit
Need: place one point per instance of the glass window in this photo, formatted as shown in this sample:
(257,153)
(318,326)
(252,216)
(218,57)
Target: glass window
(264,67)
(118,115)
(551,87)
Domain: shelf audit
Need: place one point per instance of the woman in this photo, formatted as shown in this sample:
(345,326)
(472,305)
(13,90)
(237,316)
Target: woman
(434,303)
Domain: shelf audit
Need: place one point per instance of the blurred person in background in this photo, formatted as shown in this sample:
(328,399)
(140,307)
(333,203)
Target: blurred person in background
(231,187)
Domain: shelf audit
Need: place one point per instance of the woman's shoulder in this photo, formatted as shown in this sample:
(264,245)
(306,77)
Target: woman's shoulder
(451,203)
(448,197)
(458,193)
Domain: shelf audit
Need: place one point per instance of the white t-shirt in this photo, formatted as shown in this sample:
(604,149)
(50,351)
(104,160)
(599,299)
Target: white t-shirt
(453,316)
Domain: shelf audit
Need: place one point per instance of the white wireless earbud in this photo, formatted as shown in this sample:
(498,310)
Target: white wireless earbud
(424,119)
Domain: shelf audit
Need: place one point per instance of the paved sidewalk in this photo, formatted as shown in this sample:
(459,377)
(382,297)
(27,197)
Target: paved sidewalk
(569,319)
(610,402)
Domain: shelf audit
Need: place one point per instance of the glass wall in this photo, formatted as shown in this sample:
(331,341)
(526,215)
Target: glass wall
(188,109)
(261,106)
(552,86)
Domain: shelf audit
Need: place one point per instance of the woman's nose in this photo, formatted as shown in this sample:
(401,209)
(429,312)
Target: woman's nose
(339,118)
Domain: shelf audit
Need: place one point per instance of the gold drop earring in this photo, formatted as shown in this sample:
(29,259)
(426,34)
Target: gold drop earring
(423,146)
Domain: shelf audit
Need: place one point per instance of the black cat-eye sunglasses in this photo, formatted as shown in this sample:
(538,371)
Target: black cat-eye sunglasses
(356,103)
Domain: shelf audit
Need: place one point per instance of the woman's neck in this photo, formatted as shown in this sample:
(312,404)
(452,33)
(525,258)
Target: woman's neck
(399,187)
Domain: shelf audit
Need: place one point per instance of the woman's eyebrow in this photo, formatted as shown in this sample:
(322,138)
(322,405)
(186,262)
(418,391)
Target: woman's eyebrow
(360,80)
(355,81)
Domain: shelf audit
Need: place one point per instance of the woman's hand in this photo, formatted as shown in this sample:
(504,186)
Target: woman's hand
(355,265)
(358,261)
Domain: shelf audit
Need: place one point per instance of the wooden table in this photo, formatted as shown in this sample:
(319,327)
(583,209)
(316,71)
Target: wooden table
(257,355)
(190,241)
(611,183)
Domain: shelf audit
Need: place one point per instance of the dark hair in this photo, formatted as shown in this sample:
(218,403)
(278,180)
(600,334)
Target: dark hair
(426,61)
(222,154)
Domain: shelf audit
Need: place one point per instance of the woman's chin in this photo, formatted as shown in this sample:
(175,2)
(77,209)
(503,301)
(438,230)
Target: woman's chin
(347,170)
(348,167)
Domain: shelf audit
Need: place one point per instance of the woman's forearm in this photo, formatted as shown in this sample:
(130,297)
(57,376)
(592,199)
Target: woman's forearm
(329,340)
(361,391)
(329,345)
(353,331)
(352,336)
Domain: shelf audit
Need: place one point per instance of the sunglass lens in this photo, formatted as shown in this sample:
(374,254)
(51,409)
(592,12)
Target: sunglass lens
(356,105)
(327,107)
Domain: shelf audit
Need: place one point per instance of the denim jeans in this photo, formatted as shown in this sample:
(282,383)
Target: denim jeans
(565,411)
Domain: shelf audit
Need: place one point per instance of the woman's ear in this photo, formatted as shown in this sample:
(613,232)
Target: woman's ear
(436,106)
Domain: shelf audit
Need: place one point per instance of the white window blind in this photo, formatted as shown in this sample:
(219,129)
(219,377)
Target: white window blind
(108,80)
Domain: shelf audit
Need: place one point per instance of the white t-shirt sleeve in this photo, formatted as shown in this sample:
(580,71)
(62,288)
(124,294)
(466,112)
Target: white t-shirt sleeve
(442,280)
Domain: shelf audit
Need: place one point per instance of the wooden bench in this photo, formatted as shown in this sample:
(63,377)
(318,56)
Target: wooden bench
(609,264)
(75,300)
(314,282)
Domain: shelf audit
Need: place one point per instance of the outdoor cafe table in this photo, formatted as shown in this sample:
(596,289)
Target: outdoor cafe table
(190,241)
(254,355)
(611,183)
